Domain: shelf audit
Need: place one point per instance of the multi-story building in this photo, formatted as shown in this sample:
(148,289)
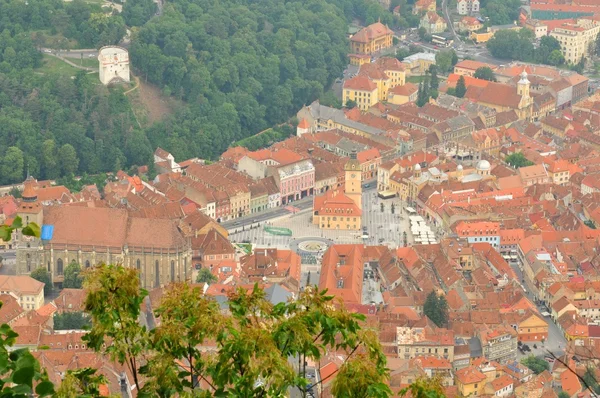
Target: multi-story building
(362,91)
(295,180)
(342,209)
(575,38)
(539,28)
(433,23)
(467,7)
(424,6)
(469,24)
(415,342)
(536,174)
(386,73)
(26,290)
(468,67)
(499,344)
(483,231)
(559,171)
(373,38)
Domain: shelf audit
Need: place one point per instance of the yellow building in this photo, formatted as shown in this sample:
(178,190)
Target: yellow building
(359,59)
(402,94)
(575,39)
(342,210)
(481,37)
(470,381)
(433,23)
(28,291)
(373,38)
(362,91)
(386,73)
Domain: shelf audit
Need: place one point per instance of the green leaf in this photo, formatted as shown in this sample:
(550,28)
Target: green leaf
(44,388)
(5,232)
(17,222)
(32,229)
(24,375)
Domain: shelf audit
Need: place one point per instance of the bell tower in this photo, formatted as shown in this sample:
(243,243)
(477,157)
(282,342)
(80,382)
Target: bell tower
(353,186)
(523,85)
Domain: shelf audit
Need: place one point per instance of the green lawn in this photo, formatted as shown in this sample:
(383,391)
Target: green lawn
(86,61)
(56,66)
(415,79)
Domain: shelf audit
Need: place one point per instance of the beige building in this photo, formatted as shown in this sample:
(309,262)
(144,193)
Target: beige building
(413,342)
(575,39)
(402,94)
(539,28)
(360,90)
(433,23)
(28,291)
(500,344)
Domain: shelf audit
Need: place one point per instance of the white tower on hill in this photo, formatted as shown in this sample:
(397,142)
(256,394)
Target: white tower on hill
(114,65)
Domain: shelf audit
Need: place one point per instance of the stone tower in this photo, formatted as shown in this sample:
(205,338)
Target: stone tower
(114,65)
(353,187)
(28,248)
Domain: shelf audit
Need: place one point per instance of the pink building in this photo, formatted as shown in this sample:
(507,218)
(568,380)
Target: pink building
(295,180)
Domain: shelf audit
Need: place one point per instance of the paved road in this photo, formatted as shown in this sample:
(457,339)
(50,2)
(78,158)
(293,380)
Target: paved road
(449,21)
(556,342)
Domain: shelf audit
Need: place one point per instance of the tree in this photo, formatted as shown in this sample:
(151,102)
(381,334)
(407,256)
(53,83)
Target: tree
(15,192)
(485,73)
(113,302)
(537,365)
(402,53)
(422,94)
(205,276)
(461,88)
(422,33)
(436,309)
(444,60)
(11,167)
(69,162)
(556,58)
(518,160)
(563,394)
(590,223)
(71,321)
(252,356)
(350,104)
(41,274)
(509,44)
(434,82)
(73,279)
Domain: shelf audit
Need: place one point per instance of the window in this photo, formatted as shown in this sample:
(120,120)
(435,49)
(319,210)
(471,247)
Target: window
(172,271)
(28,257)
(59,266)
(87,263)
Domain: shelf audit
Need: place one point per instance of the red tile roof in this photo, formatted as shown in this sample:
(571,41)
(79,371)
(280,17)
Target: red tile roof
(371,32)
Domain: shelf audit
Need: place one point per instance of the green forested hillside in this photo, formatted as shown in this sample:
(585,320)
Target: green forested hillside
(239,66)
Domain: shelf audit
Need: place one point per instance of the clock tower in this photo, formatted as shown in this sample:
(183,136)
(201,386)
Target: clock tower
(353,186)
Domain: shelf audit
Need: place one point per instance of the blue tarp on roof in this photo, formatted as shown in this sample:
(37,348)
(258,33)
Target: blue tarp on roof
(47,231)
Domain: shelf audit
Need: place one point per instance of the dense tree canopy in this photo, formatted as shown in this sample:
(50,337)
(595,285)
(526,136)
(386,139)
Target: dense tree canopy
(537,365)
(501,12)
(436,308)
(517,160)
(485,73)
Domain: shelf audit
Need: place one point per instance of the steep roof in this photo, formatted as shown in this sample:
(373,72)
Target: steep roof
(362,83)
(20,284)
(109,227)
(371,32)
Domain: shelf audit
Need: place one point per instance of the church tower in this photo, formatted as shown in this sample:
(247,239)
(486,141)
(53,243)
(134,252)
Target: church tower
(353,184)
(523,85)
(28,256)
